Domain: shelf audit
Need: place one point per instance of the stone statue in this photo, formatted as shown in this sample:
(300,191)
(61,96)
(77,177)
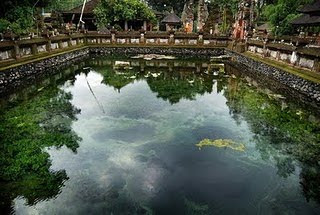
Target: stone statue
(188,16)
(203,15)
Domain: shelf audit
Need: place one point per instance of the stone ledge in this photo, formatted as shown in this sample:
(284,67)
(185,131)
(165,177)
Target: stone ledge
(308,89)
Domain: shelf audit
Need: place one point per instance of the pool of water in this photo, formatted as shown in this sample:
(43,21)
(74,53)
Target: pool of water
(162,137)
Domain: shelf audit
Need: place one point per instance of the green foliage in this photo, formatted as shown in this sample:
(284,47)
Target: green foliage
(283,134)
(224,27)
(167,5)
(26,129)
(173,87)
(223,4)
(19,16)
(19,20)
(62,5)
(193,208)
(112,11)
(4,25)
(281,13)
(170,86)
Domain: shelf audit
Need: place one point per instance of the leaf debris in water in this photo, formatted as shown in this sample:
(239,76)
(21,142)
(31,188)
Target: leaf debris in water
(222,143)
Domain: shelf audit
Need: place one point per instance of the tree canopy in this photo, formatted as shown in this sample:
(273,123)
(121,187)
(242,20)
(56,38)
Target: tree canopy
(112,11)
(280,14)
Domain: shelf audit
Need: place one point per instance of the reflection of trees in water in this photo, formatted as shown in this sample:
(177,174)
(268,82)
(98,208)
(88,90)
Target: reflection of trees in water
(174,86)
(284,134)
(169,82)
(25,130)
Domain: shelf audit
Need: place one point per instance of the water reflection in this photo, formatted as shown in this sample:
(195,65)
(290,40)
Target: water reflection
(188,80)
(26,129)
(131,149)
(283,132)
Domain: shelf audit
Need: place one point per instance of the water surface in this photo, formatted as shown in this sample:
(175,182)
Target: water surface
(99,140)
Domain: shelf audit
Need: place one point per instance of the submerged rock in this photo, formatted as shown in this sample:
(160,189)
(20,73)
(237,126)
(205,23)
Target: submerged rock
(221,143)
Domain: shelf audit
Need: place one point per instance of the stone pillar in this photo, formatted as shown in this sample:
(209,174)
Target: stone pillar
(278,56)
(113,36)
(60,44)
(316,66)
(126,25)
(85,40)
(69,42)
(145,25)
(34,49)
(265,48)
(48,45)
(16,51)
(294,60)
(171,37)
(142,39)
(200,38)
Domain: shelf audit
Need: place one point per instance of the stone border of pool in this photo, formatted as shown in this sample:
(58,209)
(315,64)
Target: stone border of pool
(308,89)
(12,78)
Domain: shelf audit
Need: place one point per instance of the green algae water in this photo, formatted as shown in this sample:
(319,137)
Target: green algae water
(160,137)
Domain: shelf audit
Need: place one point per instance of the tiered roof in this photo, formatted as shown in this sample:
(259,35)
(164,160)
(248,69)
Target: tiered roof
(310,16)
(172,19)
(310,8)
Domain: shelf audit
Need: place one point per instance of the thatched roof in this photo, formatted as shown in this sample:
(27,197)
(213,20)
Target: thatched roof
(90,6)
(265,26)
(171,19)
(311,8)
(306,19)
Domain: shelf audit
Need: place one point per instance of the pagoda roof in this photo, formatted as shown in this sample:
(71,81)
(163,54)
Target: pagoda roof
(265,26)
(306,19)
(90,6)
(171,19)
(311,8)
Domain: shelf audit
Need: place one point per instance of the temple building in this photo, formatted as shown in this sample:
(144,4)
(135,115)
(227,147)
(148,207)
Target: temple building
(310,16)
(188,17)
(73,15)
(172,21)
(244,19)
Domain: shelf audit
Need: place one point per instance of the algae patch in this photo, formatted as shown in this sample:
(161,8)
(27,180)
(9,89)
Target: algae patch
(222,143)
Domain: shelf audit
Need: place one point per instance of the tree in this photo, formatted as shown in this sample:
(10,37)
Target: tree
(167,5)
(19,16)
(112,11)
(281,13)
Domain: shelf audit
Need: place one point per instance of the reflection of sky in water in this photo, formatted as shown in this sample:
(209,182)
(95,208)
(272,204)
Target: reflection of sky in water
(138,154)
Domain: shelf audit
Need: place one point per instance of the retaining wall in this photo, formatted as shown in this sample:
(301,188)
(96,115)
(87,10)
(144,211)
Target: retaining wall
(310,91)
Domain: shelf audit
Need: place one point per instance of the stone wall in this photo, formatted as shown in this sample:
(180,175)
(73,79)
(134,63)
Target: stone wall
(13,78)
(294,85)
(11,50)
(303,57)
(181,52)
